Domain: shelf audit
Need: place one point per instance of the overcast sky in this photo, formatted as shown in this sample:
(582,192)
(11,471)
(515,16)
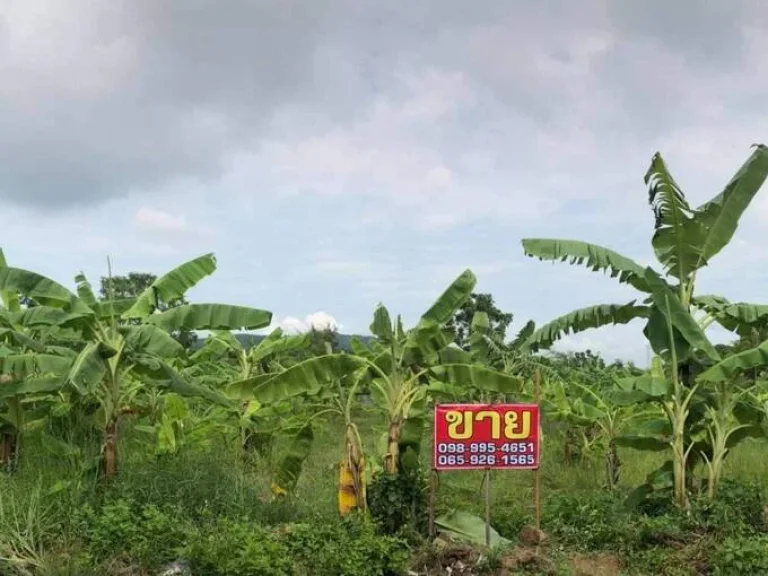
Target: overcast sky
(334,154)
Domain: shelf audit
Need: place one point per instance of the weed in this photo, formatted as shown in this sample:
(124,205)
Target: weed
(737,556)
(590,522)
(398,502)
(145,533)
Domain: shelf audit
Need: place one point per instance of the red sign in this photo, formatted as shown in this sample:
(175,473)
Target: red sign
(482,436)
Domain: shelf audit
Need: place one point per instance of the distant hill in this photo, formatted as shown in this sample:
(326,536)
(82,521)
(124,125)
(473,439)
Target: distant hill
(248,340)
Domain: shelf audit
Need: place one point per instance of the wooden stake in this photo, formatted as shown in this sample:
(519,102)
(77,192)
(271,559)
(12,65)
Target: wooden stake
(433,481)
(536,480)
(488,507)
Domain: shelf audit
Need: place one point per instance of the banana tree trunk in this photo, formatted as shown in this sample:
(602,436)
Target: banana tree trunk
(393,448)
(352,482)
(569,444)
(8,450)
(109,451)
(679,468)
(9,440)
(246,439)
(613,465)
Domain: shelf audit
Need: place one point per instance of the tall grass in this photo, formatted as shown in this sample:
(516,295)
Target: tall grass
(39,502)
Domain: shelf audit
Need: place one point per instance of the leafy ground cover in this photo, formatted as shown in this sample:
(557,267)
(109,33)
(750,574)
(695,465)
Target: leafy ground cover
(215,511)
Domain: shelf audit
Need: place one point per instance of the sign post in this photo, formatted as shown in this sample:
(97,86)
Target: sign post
(536,478)
(487,437)
(433,480)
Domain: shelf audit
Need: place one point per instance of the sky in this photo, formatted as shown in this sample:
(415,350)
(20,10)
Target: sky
(338,154)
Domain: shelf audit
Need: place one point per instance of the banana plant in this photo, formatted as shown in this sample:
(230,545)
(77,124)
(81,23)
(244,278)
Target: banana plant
(222,362)
(685,240)
(224,358)
(119,359)
(28,357)
(398,367)
(588,408)
(485,349)
(735,410)
(405,366)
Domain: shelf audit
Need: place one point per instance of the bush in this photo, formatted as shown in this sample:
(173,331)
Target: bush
(346,548)
(206,485)
(670,530)
(398,502)
(509,520)
(737,556)
(589,521)
(239,549)
(146,534)
(737,510)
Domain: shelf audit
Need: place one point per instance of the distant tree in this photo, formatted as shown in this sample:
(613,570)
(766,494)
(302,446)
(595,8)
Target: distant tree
(130,286)
(125,287)
(462,320)
(320,340)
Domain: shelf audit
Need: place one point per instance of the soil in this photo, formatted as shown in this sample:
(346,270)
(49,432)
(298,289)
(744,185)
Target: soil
(597,565)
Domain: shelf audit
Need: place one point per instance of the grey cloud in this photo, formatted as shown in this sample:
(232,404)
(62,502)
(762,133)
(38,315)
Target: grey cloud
(126,96)
(191,83)
(708,33)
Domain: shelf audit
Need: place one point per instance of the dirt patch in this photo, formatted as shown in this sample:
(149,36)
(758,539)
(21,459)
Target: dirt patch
(446,557)
(531,536)
(597,565)
(525,558)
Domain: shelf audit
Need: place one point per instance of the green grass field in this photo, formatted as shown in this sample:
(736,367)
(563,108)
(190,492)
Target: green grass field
(50,521)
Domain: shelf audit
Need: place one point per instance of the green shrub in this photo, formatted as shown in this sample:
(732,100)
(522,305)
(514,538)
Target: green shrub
(669,530)
(347,548)
(737,510)
(146,533)
(241,548)
(509,520)
(739,556)
(207,484)
(398,502)
(588,521)
(321,548)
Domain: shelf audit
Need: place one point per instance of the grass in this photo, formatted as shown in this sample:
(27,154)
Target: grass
(40,504)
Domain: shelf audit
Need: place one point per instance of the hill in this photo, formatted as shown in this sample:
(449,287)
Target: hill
(248,340)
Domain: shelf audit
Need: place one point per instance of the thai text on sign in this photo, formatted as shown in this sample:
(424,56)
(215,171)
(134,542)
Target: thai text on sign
(482,436)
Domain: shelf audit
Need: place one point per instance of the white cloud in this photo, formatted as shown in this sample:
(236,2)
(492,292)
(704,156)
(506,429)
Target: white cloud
(292,325)
(398,155)
(170,231)
(322,321)
(152,219)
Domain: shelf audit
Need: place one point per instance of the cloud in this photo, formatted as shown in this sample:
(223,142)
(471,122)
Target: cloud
(170,231)
(394,155)
(292,325)
(151,219)
(128,96)
(321,321)
(133,96)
